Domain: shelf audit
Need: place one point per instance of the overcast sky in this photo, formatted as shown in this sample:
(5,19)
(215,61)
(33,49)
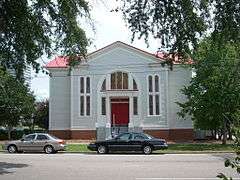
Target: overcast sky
(110,27)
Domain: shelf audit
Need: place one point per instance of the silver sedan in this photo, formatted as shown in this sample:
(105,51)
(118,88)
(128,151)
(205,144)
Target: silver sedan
(36,142)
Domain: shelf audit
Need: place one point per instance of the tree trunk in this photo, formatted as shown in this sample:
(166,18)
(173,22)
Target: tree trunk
(229,131)
(224,133)
(9,129)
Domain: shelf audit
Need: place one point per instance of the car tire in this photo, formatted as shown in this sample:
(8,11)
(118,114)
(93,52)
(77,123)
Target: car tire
(147,149)
(12,149)
(102,149)
(49,149)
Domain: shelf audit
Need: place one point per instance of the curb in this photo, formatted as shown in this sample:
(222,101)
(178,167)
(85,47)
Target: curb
(154,153)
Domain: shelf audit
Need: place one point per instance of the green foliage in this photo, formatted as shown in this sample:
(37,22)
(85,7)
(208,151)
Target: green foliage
(16,101)
(235,163)
(179,24)
(32,28)
(41,116)
(17,134)
(213,95)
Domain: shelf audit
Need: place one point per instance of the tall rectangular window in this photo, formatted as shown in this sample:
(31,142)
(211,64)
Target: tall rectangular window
(88,85)
(85,96)
(82,85)
(88,106)
(157,104)
(154,95)
(156,83)
(150,105)
(82,105)
(150,84)
(103,105)
(135,106)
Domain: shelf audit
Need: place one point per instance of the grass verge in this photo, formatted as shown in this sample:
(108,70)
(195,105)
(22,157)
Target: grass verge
(173,148)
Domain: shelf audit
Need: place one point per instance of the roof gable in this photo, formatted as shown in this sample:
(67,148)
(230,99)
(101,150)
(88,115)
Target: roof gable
(119,44)
(62,62)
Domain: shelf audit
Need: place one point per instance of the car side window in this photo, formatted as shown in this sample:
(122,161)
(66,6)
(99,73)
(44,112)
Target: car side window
(29,137)
(139,137)
(42,137)
(124,137)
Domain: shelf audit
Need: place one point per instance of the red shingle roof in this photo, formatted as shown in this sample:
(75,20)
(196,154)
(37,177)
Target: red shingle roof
(58,62)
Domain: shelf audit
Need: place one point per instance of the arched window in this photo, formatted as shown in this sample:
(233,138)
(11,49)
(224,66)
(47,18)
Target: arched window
(150,84)
(134,85)
(156,83)
(119,80)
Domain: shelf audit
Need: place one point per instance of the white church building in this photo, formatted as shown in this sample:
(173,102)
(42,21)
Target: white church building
(117,88)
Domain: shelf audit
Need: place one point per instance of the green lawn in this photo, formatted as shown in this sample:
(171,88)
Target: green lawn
(173,148)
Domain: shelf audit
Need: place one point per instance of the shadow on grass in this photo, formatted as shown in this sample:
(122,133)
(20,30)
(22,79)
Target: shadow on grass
(4,167)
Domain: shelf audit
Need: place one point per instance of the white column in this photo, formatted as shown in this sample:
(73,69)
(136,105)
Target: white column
(131,122)
(108,111)
(108,117)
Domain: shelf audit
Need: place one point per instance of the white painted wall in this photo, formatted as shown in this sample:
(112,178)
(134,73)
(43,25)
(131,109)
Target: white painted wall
(177,79)
(59,101)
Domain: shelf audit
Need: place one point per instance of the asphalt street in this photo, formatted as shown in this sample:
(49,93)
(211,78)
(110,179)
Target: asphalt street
(113,166)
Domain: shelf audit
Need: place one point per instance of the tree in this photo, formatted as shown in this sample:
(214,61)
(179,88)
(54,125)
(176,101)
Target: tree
(31,28)
(41,117)
(180,24)
(213,96)
(234,163)
(16,102)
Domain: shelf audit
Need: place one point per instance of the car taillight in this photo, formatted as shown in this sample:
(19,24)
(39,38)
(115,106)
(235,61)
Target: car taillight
(61,142)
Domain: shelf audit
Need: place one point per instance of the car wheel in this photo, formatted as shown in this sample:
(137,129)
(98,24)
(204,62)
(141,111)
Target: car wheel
(102,149)
(147,149)
(12,149)
(48,149)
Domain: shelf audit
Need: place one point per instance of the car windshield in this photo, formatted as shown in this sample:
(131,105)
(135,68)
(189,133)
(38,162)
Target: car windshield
(149,137)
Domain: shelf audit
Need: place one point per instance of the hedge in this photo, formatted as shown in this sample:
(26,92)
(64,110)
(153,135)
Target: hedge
(17,134)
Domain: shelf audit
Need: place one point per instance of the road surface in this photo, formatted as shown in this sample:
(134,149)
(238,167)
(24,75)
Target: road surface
(113,167)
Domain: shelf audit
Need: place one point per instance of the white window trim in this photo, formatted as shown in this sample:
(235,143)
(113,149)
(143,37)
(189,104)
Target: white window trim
(153,93)
(85,94)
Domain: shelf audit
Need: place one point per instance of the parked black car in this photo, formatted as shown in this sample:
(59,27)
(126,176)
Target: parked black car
(129,141)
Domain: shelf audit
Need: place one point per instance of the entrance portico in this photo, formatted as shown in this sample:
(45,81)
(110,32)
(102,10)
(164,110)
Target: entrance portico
(118,102)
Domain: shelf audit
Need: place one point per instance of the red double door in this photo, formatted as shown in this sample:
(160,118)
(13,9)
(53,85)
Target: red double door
(120,112)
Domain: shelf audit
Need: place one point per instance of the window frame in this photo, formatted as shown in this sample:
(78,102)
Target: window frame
(154,95)
(135,106)
(83,96)
(118,80)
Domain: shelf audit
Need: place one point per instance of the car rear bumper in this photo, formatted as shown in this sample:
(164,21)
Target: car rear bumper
(60,147)
(92,147)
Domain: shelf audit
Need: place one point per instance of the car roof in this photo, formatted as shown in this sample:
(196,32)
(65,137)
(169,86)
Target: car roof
(37,134)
